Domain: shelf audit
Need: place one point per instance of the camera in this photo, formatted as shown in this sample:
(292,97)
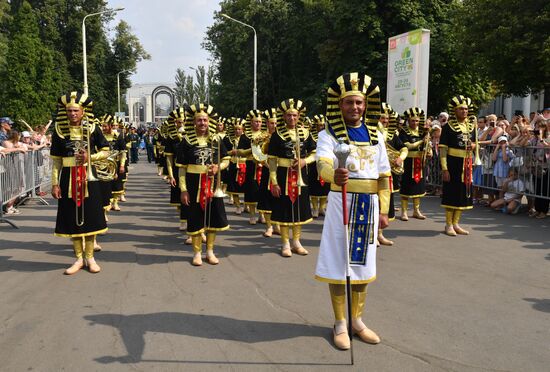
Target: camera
(536,132)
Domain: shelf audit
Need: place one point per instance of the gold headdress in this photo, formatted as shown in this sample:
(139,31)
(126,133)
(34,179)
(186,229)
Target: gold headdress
(347,85)
(72,99)
(189,124)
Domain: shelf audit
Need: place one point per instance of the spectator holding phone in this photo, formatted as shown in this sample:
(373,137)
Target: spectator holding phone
(501,157)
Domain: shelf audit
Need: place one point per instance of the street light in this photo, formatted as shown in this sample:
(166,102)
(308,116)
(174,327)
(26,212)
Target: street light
(118,86)
(255,91)
(84,60)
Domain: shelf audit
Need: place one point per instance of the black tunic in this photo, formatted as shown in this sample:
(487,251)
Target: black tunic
(93,216)
(316,187)
(116,142)
(284,211)
(212,217)
(233,187)
(454,193)
(411,187)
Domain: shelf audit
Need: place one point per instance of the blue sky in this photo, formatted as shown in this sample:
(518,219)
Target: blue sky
(171,31)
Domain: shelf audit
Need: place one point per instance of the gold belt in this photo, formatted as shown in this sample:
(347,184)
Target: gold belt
(284,162)
(362,186)
(459,153)
(197,168)
(69,161)
(415,154)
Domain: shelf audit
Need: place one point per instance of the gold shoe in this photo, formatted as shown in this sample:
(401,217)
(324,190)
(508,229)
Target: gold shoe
(189,240)
(211,258)
(79,264)
(314,213)
(197,259)
(367,335)
(298,248)
(286,251)
(449,230)
(460,230)
(252,221)
(116,208)
(341,340)
(404,216)
(418,215)
(268,233)
(93,267)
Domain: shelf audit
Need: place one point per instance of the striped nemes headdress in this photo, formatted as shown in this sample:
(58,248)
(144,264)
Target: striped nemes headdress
(173,130)
(189,124)
(353,84)
(461,101)
(393,120)
(72,99)
(270,113)
(252,114)
(291,105)
(416,113)
(106,119)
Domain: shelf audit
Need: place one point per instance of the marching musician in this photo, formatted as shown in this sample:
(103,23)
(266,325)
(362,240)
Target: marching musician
(266,199)
(413,181)
(116,143)
(124,129)
(239,148)
(175,130)
(290,149)
(76,143)
(457,141)
(397,153)
(200,157)
(254,166)
(318,187)
(222,133)
(353,110)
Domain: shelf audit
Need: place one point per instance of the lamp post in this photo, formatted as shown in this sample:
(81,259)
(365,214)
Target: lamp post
(84,60)
(118,86)
(255,91)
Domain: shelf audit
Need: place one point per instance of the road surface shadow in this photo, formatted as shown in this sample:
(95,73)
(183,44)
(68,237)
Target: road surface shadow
(132,329)
(7,264)
(540,304)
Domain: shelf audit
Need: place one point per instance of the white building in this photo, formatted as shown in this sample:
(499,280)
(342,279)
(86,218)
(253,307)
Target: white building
(150,103)
(510,106)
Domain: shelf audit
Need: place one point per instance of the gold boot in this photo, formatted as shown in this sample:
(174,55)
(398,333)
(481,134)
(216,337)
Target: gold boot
(285,249)
(78,252)
(417,214)
(296,245)
(196,241)
(93,267)
(340,331)
(210,256)
(358,297)
(382,239)
(404,206)
(456,218)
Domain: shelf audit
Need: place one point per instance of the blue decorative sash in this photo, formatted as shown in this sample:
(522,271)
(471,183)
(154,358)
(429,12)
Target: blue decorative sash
(361,227)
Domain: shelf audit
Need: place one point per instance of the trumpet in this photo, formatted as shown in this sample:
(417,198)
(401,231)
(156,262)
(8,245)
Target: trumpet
(80,147)
(297,150)
(426,149)
(468,164)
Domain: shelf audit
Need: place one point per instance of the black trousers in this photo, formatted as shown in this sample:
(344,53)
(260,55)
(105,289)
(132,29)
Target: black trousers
(134,155)
(542,188)
(150,154)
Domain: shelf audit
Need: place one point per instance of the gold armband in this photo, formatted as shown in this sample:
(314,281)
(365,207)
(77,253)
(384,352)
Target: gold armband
(182,174)
(272,163)
(443,157)
(169,159)
(325,169)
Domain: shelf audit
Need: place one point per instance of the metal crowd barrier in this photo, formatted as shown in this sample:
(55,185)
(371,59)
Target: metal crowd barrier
(21,175)
(531,163)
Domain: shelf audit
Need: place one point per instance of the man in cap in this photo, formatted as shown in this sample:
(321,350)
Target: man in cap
(5,127)
(353,110)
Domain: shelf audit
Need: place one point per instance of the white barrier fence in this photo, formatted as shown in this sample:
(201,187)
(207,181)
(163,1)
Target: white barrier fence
(22,176)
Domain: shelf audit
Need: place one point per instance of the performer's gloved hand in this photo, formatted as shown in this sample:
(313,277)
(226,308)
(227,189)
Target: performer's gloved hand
(56,192)
(295,163)
(398,161)
(184,198)
(341,176)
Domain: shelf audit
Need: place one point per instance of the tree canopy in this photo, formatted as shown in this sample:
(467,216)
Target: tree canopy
(303,45)
(41,56)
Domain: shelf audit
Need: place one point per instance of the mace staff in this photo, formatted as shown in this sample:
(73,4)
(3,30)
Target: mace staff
(342,151)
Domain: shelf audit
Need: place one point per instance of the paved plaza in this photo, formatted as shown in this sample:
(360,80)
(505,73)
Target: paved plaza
(477,303)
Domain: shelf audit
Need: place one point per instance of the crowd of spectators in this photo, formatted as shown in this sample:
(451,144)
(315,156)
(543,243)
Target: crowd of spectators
(513,162)
(12,141)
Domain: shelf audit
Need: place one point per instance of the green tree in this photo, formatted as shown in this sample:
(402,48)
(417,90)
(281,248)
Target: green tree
(508,40)
(28,65)
(4,32)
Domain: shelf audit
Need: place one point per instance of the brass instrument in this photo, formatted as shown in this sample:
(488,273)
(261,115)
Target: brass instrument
(392,157)
(80,147)
(258,147)
(477,159)
(218,191)
(297,150)
(426,149)
(468,180)
(106,169)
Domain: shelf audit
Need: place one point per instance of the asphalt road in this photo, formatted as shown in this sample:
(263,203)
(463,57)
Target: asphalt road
(476,303)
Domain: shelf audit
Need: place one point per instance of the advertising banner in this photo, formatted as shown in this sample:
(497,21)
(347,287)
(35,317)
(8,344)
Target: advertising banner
(408,67)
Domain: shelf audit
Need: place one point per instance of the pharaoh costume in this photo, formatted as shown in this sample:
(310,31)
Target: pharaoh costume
(237,167)
(80,214)
(116,143)
(195,156)
(292,208)
(368,195)
(456,147)
(413,181)
(318,187)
